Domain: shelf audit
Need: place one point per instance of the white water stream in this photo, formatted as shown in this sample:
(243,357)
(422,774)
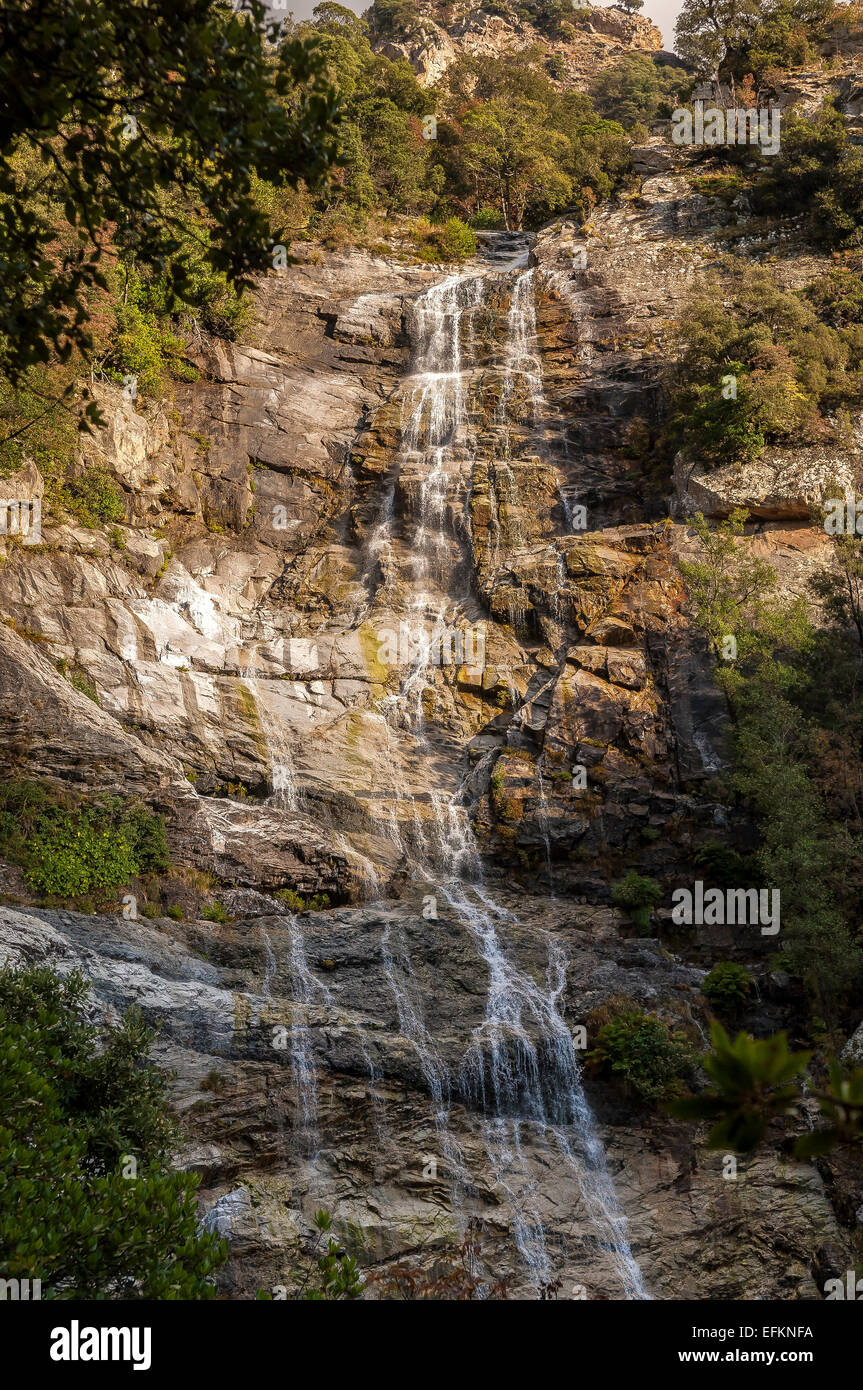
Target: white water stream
(521,1071)
(520,1075)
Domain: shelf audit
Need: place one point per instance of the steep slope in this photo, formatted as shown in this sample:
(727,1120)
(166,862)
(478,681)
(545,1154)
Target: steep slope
(438,33)
(389,578)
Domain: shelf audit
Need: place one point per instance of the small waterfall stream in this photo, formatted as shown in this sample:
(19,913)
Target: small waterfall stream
(520,1075)
(521,1069)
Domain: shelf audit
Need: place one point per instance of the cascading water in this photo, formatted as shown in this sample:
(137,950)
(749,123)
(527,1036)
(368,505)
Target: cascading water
(282,776)
(521,1070)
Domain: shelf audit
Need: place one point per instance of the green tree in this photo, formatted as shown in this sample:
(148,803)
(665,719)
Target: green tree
(708,31)
(88,1203)
(516,158)
(729,38)
(121,114)
(634,89)
(803,852)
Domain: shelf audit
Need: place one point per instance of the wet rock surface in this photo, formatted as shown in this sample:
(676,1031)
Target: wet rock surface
(378,1147)
(406,456)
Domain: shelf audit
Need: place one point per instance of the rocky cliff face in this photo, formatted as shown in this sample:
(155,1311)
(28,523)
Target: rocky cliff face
(595,37)
(386,621)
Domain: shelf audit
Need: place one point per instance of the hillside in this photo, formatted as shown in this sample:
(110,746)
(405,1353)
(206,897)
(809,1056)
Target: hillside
(574,44)
(398,597)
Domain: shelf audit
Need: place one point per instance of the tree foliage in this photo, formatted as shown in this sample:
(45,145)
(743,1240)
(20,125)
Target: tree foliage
(88,1204)
(132,119)
(757,1081)
(636,90)
(757,366)
(751,1086)
(725,39)
(818,172)
(782,711)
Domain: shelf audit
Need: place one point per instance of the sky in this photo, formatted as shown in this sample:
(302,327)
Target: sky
(662,12)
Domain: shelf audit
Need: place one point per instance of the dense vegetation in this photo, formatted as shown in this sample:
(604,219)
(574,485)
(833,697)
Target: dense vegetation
(69,847)
(794,693)
(759,365)
(505,147)
(728,39)
(141,236)
(88,1203)
(122,128)
(819,174)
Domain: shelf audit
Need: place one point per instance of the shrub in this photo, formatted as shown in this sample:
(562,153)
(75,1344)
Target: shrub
(83,683)
(727,986)
(72,853)
(68,849)
(94,497)
(819,172)
(316,903)
(454,241)
(487,219)
(78,1103)
(145,832)
(641,1052)
(637,895)
(758,367)
(215,913)
(724,866)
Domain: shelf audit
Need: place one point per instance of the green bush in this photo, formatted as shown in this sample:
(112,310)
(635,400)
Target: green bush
(642,1053)
(637,895)
(487,219)
(70,849)
(145,833)
(727,986)
(215,913)
(316,903)
(818,172)
(94,497)
(89,1204)
(71,854)
(752,1085)
(454,241)
(758,367)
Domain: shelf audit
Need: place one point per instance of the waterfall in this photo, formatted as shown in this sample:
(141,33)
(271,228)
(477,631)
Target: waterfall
(519,1074)
(306,988)
(521,1071)
(282,776)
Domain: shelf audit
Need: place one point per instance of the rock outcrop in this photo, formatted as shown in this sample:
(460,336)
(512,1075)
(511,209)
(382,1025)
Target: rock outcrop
(395,615)
(595,37)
